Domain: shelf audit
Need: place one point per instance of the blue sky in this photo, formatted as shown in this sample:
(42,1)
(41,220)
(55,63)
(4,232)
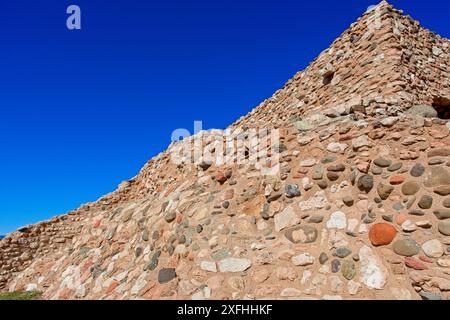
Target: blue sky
(82,111)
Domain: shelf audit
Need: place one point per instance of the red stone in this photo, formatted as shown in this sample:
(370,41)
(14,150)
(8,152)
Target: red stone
(426,259)
(346,137)
(396,180)
(415,264)
(382,234)
(179,218)
(97,224)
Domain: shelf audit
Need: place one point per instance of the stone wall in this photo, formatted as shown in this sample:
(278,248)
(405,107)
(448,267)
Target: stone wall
(383,61)
(425,62)
(19,248)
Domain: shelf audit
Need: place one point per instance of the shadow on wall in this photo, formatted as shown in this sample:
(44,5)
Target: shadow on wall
(442,106)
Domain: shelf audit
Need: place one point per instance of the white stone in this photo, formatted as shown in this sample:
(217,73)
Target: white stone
(352,223)
(307,184)
(424,224)
(444,262)
(409,226)
(304,259)
(338,220)
(208,266)
(362,228)
(389,121)
(202,294)
(234,265)
(401,294)
(291,292)
(362,141)
(306,276)
(180,249)
(433,248)
(353,287)
(318,201)
(373,273)
(285,219)
(330,297)
(213,242)
(335,284)
(31,287)
(437,51)
(308,163)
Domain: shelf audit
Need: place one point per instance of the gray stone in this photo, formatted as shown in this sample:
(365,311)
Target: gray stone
(303,126)
(389,121)
(442,214)
(442,190)
(444,227)
(317,218)
(417,212)
(348,270)
(423,111)
(383,163)
(328,159)
(234,265)
(395,166)
(406,247)
(302,234)
(343,252)
(365,183)
(335,266)
(166,275)
(377,170)
(429,296)
(437,177)
(446,203)
(418,170)
(425,202)
(410,188)
(292,191)
(220,254)
(169,217)
(384,190)
(323,258)
(348,201)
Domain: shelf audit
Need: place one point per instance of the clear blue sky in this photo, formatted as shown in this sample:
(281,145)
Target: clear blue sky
(82,111)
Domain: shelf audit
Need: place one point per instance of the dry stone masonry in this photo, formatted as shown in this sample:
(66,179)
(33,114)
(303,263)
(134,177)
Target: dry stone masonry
(360,208)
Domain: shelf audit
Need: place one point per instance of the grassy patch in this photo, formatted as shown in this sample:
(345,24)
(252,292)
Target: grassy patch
(20,295)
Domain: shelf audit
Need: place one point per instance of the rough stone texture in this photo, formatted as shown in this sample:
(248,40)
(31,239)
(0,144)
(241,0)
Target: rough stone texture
(208,231)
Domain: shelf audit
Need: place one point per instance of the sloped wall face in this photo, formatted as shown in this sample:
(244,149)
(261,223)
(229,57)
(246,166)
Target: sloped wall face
(361,70)
(425,63)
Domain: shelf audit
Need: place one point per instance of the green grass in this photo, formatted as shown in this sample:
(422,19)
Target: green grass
(20,295)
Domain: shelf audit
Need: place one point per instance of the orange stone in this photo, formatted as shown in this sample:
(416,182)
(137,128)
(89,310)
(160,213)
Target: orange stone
(382,234)
(396,180)
(112,287)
